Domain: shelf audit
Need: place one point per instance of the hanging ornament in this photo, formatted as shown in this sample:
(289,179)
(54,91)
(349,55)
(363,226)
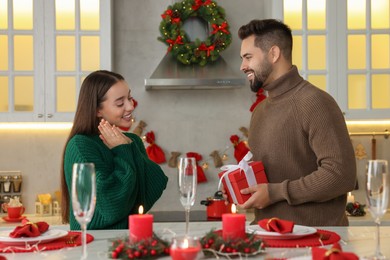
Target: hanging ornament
(244,131)
(360,152)
(259,97)
(200,173)
(154,151)
(217,159)
(205,165)
(139,128)
(240,148)
(173,160)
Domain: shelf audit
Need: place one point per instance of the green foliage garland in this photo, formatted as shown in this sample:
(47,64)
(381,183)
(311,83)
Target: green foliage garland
(179,44)
(151,248)
(213,244)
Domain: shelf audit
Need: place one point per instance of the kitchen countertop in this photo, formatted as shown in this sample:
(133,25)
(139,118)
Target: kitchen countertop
(195,216)
(199,215)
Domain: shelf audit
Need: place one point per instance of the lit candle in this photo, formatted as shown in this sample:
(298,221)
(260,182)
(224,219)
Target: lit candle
(350,198)
(140,226)
(184,249)
(233,225)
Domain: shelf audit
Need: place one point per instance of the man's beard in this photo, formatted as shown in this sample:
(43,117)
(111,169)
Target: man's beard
(256,84)
(260,77)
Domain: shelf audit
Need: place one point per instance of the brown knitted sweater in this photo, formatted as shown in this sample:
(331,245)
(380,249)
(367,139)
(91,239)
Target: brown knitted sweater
(300,135)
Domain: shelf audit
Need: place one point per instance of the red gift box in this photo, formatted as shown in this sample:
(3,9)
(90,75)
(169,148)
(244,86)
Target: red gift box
(237,179)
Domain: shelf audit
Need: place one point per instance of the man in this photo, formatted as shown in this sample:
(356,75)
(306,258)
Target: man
(298,132)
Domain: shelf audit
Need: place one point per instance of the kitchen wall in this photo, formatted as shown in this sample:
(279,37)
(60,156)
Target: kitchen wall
(187,120)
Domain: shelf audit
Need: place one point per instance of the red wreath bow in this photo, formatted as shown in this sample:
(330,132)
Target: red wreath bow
(259,97)
(199,171)
(203,47)
(154,151)
(169,13)
(171,42)
(222,28)
(199,3)
(240,148)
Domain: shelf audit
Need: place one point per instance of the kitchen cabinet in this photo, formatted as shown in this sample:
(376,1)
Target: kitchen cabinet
(47,48)
(343,47)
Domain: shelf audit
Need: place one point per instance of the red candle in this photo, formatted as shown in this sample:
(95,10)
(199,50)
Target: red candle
(140,226)
(184,249)
(233,225)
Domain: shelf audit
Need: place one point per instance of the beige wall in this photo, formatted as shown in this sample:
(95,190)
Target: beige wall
(190,120)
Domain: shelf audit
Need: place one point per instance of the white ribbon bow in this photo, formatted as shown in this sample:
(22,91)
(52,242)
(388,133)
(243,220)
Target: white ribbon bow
(242,165)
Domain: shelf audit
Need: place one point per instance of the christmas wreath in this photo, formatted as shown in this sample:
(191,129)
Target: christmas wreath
(179,44)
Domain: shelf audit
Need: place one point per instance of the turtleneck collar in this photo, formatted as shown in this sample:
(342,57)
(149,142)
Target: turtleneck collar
(284,83)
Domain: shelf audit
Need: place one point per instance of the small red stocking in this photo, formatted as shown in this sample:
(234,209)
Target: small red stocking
(154,151)
(240,148)
(200,173)
(259,97)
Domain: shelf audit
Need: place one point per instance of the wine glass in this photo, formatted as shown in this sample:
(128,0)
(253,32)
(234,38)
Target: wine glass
(377,194)
(83,198)
(187,181)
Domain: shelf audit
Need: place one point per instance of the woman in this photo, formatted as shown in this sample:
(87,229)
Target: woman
(125,177)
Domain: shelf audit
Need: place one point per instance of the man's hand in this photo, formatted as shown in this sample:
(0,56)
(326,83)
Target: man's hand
(259,198)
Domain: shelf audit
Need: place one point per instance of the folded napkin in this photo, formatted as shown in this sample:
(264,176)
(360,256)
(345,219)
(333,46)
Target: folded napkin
(335,253)
(277,225)
(29,229)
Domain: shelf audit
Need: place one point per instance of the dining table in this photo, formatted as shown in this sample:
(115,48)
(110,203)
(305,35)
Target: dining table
(357,239)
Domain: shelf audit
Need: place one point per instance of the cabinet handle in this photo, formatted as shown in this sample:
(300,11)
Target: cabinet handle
(49,115)
(40,115)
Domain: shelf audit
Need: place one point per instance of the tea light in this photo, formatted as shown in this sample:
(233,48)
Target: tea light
(185,248)
(350,198)
(233,225)
(140,226)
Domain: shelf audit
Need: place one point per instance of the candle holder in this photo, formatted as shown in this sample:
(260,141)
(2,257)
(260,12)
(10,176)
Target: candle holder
(185,248)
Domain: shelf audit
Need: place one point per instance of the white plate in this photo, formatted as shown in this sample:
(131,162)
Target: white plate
(48,236)
(298,231)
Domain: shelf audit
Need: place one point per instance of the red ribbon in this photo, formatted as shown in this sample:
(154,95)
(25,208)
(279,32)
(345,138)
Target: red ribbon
(203,47)
(169,13)
(199,3)
(222,28)
(171,42)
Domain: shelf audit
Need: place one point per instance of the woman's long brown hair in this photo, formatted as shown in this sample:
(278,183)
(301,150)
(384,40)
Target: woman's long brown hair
(92,94)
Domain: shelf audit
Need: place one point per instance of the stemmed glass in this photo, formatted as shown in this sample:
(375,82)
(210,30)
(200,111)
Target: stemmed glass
(377,194)
(83,198)
(187,181)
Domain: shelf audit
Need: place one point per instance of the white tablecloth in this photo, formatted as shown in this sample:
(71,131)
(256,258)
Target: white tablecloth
(357,239)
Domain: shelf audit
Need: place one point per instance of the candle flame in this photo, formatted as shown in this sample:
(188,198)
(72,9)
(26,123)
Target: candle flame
(141,210)
(234,209)
(349,193)
(185,243)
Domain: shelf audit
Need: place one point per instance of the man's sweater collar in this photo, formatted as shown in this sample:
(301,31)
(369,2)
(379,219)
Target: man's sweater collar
(284,83)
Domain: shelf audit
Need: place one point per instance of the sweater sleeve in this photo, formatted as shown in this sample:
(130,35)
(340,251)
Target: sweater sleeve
(154,182)
(120,180)
(324,127)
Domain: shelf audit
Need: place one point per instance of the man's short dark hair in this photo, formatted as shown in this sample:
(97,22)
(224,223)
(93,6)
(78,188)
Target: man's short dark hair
(269,32)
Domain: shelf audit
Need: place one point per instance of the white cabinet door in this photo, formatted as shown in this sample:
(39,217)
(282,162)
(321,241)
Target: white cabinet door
(48,53)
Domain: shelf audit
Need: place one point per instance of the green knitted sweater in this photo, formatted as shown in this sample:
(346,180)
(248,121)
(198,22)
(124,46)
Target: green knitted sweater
(125,179)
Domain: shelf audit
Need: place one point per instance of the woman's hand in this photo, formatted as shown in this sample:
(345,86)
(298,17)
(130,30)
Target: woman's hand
(111,135)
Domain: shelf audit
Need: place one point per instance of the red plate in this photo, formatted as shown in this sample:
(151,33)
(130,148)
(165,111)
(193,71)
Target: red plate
(6,218)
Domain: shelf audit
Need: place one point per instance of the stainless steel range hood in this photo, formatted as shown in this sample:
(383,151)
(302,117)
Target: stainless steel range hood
(171,74)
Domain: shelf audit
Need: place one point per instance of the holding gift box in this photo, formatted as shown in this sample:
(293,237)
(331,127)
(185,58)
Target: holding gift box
(237,177)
